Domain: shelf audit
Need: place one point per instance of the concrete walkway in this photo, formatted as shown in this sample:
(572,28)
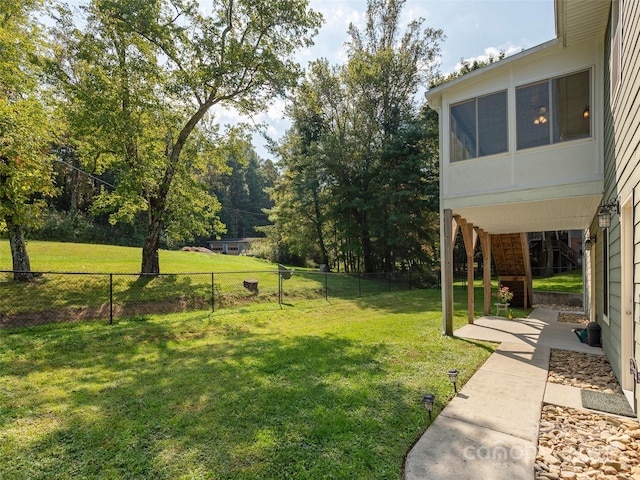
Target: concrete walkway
(490,429)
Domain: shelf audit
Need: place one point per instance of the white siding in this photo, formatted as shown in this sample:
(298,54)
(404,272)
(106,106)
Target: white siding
(552,165)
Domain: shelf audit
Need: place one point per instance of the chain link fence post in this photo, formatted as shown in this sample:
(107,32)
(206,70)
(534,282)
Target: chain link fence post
(213,293)
(326,286)
(111,299)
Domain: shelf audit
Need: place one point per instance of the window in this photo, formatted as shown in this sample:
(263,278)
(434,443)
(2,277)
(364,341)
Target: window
(479,127)
(532,115)
(615,65)
(553,111)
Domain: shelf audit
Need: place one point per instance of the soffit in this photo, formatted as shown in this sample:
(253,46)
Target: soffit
(575,213)
(580,20)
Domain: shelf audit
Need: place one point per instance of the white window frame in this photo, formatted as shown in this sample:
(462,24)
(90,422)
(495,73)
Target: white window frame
(606,284)
(477,145)
(552,113)
(615,57)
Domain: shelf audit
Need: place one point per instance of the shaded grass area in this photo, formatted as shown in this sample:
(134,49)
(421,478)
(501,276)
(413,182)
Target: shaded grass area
(315,390)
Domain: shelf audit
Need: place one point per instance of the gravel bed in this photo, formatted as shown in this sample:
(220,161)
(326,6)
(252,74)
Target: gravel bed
(573,318)
(562,308)
(582,445)
(582,370)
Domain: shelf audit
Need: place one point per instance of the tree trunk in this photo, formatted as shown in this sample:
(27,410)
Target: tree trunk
(73,203)
(158,201)
(20,257)
(367,252)
(319,233)
(150,258)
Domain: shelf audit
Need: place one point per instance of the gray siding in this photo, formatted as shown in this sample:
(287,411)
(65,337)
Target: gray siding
(622,178)
(610,328)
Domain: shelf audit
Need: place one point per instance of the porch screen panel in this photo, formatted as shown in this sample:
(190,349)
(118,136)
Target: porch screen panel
(532,115)
(463,131)
(571,100)
(492,124)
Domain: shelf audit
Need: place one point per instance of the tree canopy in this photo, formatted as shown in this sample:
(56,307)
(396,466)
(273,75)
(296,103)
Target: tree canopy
(140,81)
(27,126)
(360,162)
(115,107)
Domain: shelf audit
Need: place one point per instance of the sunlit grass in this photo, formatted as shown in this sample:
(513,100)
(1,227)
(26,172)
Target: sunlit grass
(569,282)
(313,390)
(83,257)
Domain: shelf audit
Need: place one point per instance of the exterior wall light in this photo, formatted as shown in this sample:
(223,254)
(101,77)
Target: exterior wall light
(428,400)
(453,378)
(604,215)
(588,245)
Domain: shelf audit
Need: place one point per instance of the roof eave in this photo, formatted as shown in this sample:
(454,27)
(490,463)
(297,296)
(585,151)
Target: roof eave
(436,92)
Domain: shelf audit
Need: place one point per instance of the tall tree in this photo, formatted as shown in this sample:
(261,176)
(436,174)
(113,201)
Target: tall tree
(386,68)
(360,150)
(153,72)
(303,194)
(26,128)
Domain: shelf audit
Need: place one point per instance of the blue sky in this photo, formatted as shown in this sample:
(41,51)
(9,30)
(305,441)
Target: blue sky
(473,29)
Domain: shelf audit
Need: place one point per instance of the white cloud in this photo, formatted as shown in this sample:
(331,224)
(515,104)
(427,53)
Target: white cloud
(276,109)
(329,43)
(492,52)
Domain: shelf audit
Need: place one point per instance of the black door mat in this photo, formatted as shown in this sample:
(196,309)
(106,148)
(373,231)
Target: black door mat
(615,403)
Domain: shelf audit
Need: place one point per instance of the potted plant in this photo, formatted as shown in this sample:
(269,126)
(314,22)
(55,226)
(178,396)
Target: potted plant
(504,294)
(504,297)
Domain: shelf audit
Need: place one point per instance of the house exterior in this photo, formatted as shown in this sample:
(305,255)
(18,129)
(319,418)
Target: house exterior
(231,246)
(546,140)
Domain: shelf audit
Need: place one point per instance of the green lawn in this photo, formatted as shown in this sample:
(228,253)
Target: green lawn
(570,282)
(86,295)
(313,390)
(82,257)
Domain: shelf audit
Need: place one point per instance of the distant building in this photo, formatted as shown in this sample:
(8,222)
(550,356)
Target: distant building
(231,246)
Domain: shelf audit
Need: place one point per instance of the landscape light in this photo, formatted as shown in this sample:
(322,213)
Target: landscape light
(428,400)
(453,378)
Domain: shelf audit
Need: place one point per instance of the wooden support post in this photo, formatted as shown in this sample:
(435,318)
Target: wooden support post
(449,226)
(470,238)
(485,243)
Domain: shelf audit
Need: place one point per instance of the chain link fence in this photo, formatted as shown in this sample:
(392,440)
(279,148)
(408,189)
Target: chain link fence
(63,297)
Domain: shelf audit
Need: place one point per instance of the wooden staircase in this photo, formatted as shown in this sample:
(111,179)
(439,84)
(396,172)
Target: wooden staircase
(513,265)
